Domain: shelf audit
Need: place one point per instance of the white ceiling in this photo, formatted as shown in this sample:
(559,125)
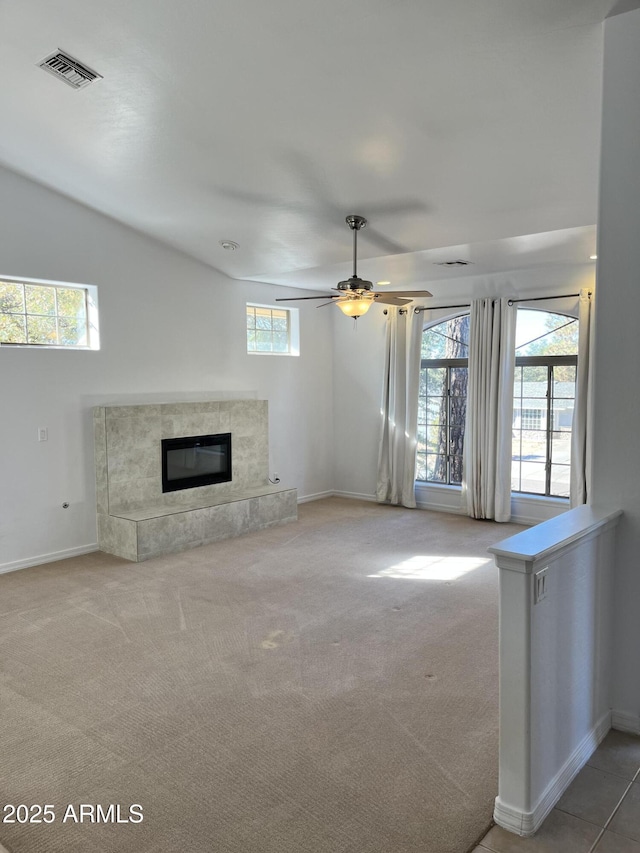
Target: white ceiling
(447,123)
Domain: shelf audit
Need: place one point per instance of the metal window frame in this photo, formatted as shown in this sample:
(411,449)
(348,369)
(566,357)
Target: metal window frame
(549,362)
(449,364)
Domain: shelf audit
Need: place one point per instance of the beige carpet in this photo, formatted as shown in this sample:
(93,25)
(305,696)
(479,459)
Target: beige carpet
(327,686)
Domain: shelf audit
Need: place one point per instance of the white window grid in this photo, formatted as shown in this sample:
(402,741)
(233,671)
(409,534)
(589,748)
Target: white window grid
(272,330)
(86,317)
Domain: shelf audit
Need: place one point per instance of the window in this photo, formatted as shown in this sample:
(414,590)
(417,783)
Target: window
(272,330)
(529,418)
(36,313)
(543,401)
(442,401)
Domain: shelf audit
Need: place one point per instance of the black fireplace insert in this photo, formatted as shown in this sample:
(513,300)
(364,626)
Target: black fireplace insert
(197,460)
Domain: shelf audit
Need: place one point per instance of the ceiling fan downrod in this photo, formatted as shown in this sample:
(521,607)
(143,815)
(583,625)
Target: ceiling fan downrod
(355,222)
(355,296)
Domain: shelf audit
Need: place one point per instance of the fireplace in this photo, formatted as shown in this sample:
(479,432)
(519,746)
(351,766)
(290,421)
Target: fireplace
(197,460)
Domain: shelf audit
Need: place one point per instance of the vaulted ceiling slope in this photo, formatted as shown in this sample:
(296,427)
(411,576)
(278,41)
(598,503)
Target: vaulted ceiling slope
(444,122)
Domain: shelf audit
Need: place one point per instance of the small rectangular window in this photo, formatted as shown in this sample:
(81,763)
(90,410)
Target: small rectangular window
(47,314)
(272,330)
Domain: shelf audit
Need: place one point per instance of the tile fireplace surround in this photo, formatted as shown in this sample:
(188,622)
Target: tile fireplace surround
(137,520)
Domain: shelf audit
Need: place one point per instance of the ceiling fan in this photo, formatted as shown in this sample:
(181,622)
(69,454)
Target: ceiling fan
(355,296)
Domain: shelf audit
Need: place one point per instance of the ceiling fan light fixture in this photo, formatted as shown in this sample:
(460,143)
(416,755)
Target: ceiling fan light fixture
(354,296)
(355,307)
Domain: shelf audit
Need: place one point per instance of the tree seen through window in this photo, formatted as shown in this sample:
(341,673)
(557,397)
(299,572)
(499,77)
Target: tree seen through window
(544,397)
(442,401)
(43,315)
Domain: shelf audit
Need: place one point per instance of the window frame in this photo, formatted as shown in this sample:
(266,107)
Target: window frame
(91,313)
(448,364)
(293,330)
(527,361)
(549,362)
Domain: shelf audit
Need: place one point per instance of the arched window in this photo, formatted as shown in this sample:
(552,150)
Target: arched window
(543,402)
(442,402)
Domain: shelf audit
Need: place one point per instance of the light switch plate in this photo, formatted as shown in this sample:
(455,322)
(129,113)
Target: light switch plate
(540,585)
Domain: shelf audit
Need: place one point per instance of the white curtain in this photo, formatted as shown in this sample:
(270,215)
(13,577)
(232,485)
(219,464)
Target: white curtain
(580,435)
(487,443)
(397,455)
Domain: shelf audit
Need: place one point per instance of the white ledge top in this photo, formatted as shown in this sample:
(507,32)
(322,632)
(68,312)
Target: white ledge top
(542,541)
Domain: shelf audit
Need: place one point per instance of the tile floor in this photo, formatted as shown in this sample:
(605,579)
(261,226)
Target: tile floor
(599,812)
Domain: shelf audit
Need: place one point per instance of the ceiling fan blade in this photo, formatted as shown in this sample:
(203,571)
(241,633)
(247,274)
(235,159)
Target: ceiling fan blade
(413,294)
(244,196)
(333,302)
(301,298)
(395,206)
(389,247)
(389,299)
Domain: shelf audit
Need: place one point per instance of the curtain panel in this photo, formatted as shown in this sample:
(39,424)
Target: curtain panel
(486,486)
(399,409)
(580,432)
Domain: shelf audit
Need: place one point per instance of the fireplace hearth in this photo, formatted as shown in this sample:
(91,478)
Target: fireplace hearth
(207,500)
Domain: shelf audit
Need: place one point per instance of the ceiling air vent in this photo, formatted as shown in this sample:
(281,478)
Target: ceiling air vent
(66,68)
(452,263)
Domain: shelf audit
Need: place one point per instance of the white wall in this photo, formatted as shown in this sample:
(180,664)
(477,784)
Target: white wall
(171,329)
(617,388)
(359,357)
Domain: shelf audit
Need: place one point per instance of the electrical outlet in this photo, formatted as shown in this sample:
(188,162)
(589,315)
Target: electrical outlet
(43,434)
(540,585)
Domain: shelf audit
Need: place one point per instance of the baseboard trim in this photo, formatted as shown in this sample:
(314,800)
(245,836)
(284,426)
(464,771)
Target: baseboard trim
(47,558)
(439,498)
(356,496)
(420,504)
(527,823)
(525,520)
(623,721)
(518,517)
(534,509)
(317,497)
(436,507)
